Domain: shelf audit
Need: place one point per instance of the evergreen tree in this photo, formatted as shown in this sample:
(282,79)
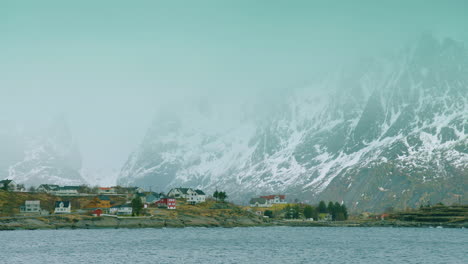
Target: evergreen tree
(268,213)
(345,211)
(222,196)
(296,212)
(288,212)
(322,208)
(308,211)
(216,194)
(315,213)
(137,205)
(331,209)
(339,215)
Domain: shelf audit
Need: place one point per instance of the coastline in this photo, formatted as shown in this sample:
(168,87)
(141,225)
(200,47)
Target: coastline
(109,222)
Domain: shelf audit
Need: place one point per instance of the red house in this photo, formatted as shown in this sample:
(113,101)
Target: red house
(169,203)
(97,212)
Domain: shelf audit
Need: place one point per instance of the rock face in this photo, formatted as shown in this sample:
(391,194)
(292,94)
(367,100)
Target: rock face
(36,157)
(388,132)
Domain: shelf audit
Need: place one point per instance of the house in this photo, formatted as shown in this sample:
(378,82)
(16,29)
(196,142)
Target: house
(62,207)
(180,193)
(31,207)
(153,197)
(166,202)
(134,189)
(259,202)
(106,190)
(124,209)
(384,216)
(100,201)
(200,197)
(192,196)
(47,188)
(98,212)
(66,190)
(275,199)
(141,195)
(8,185)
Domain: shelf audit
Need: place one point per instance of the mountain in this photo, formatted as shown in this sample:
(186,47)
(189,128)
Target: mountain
(385,132)
(36,156)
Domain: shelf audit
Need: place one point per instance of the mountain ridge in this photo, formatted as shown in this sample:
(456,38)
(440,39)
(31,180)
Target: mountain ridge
(377,135)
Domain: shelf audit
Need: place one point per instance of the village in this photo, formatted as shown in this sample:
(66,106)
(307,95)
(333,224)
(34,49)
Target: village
(135,201)
(57,206)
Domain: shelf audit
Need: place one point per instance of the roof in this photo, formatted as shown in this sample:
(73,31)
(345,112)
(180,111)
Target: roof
(69,188)
(182,190)
(200,192)
(105,188)
(65,203)
(258,200)
(103,197)
(152,197)
(269,197)
(122,205)
(49,186)
(6,182)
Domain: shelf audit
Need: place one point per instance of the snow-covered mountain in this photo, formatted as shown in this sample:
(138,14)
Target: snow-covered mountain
(36,156)
(386,132)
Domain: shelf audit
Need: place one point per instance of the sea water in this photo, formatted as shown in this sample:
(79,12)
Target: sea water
(237,245)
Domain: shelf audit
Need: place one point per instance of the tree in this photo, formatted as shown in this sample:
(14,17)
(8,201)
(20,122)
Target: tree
(84,189)
(338,212)
(315,214)
(296,212)
(216,195)
(322,208)
(268,213)
(137,205)
(288,212)
(32,189)
(345,211)
(120,189)
(331,209)
(20,187)
(94,190)
(222,196)
(308,211)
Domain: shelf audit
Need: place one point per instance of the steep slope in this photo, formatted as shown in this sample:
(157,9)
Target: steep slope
(36,157)
(385,133)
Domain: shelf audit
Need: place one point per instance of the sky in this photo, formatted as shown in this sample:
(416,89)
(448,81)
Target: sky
(108,66)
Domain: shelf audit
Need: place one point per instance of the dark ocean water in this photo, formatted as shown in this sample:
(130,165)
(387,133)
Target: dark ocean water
(237,245)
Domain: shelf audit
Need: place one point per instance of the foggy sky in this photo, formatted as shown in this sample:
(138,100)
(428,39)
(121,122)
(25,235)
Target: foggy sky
(108,66)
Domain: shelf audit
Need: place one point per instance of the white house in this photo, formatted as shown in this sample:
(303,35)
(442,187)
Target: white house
(275,199)
(31,207)
(124,209)
(200,197)
(66,190)
(259,202)
(8,185)
(47,188)
(192,196)
(62,207)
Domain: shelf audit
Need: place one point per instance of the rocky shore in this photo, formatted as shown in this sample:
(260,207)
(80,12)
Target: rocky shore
(89,222)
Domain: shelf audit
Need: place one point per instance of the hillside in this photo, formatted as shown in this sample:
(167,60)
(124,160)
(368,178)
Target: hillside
(388,131)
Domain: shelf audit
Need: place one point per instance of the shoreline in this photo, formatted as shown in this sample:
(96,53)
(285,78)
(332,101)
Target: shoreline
(109,222)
